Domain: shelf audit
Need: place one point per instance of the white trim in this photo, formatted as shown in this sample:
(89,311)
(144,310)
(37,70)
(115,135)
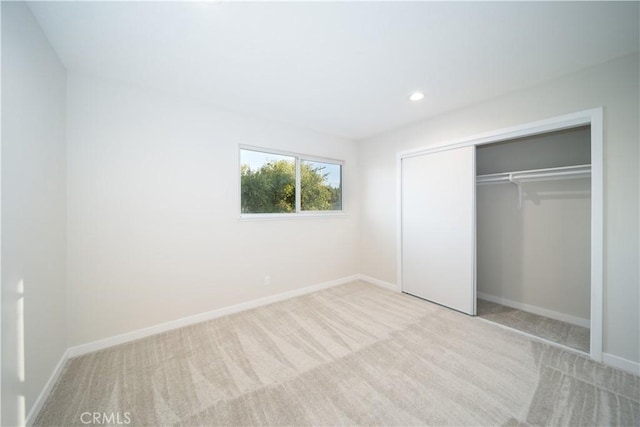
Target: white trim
(399,222)
(1,275)
(567,121)
(622,364)
(474,249)
(298,200)
(585,323)
(90,347)
(378,282)
(290,216)
(597,234)
(46,391)
(592,117)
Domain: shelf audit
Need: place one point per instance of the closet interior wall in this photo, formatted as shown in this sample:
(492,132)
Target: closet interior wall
(536,253)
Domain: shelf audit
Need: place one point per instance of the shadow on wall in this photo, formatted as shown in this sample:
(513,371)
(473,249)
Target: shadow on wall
(499,233)
(557,190)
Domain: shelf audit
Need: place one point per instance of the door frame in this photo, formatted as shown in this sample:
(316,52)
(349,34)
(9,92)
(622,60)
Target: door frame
(593,118)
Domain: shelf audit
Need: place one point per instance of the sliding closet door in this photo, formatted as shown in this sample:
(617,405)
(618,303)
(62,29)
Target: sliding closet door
(438,227)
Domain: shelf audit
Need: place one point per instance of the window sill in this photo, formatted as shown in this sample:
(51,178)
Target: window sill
(291,216)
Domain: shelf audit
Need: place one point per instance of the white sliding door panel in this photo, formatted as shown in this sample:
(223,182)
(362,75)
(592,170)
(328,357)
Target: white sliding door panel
(438,227)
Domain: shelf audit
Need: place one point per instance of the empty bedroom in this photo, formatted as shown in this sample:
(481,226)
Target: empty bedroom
(320,213)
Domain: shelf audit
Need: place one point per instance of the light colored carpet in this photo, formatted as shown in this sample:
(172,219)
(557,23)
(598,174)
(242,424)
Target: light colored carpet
(553,330)
(349,355)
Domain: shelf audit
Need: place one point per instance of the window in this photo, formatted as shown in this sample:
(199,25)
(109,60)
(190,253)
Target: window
(285,183)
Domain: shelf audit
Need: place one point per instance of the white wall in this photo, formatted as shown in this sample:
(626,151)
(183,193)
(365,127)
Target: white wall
(568,147)
(613,85)
(537,254)
(33,211)
(153,207)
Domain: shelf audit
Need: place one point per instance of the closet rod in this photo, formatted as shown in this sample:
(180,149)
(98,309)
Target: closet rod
(548,174)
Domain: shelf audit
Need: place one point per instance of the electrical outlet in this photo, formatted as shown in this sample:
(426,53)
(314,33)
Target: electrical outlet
(267,280)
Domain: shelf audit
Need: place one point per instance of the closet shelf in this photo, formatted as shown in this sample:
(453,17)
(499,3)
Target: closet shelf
(549,174)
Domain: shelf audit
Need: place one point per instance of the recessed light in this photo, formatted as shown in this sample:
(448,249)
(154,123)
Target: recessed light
(416,96)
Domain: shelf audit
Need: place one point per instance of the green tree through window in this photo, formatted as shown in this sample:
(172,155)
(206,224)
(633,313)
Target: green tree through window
(268,184)
(318,194)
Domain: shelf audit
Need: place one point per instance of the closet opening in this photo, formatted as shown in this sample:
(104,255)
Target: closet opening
(533,235)
(508,225)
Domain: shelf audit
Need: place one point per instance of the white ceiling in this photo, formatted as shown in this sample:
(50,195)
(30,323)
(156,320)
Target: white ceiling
(339,68)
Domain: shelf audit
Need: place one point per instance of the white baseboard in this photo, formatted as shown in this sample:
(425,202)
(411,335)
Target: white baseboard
(378,282)
(585,323)
(608,359)
(81,349)
(620,363)
(44,394)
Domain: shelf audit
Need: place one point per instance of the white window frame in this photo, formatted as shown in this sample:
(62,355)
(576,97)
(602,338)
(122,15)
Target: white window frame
(299,213)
